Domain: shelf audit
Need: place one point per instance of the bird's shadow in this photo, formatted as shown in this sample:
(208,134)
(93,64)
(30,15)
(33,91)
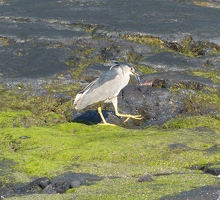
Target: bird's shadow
(90,117)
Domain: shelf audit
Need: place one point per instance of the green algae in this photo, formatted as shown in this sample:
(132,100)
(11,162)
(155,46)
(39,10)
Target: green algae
(130,189)
(207,4)
(114,151)
(187,46)
(13,118)
(147,40)
(83,60)
(214,75)
(184,122)
(202,102)
(4,41)
(26,110)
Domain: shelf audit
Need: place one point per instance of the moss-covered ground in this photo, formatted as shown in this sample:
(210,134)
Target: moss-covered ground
(113,151)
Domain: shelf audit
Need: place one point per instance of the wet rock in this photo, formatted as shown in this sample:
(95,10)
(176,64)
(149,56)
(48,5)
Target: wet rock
(156,105)
(38,43)
(32,62)
(172,79)
(38,85)
(168,61)
(58,19)
(212,62)
(145,178)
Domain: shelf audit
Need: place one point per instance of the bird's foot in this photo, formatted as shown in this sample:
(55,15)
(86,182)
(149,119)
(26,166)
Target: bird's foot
(139,117)
(106,123)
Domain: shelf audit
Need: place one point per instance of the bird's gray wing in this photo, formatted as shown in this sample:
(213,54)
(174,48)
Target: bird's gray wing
(104,78)
(98,94)
(80,93)
(88,86)
(103,88)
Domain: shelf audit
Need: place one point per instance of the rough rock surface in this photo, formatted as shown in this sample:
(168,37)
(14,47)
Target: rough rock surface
(70,38)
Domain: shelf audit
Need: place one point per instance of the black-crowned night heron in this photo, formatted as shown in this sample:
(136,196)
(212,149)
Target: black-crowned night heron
(106,88)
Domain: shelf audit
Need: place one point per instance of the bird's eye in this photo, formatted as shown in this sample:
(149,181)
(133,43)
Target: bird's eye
(132,69)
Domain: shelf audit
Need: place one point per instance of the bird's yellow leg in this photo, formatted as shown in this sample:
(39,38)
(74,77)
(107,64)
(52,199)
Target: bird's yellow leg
(102,117)
(115,102)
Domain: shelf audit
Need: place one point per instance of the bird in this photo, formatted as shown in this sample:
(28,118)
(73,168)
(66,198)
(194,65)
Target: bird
(106,88)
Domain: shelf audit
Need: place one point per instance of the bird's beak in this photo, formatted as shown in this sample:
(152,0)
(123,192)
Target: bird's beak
(138,78)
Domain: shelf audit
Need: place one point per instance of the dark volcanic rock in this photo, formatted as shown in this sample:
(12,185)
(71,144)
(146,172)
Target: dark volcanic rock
(156,104)
(70,176)
(172,79)
(19,61)
(35,39)
(168,19)
(168,61)
(213,171)
(59,184)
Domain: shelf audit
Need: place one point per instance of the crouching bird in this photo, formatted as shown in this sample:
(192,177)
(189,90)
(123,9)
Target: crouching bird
(106,89)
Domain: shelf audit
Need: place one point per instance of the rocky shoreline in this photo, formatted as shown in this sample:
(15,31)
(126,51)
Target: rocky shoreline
(50,50)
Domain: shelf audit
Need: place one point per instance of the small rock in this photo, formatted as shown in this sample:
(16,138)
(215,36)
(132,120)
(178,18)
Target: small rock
(145,178)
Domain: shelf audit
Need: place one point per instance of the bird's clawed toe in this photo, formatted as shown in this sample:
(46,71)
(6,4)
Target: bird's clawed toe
(138,117)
